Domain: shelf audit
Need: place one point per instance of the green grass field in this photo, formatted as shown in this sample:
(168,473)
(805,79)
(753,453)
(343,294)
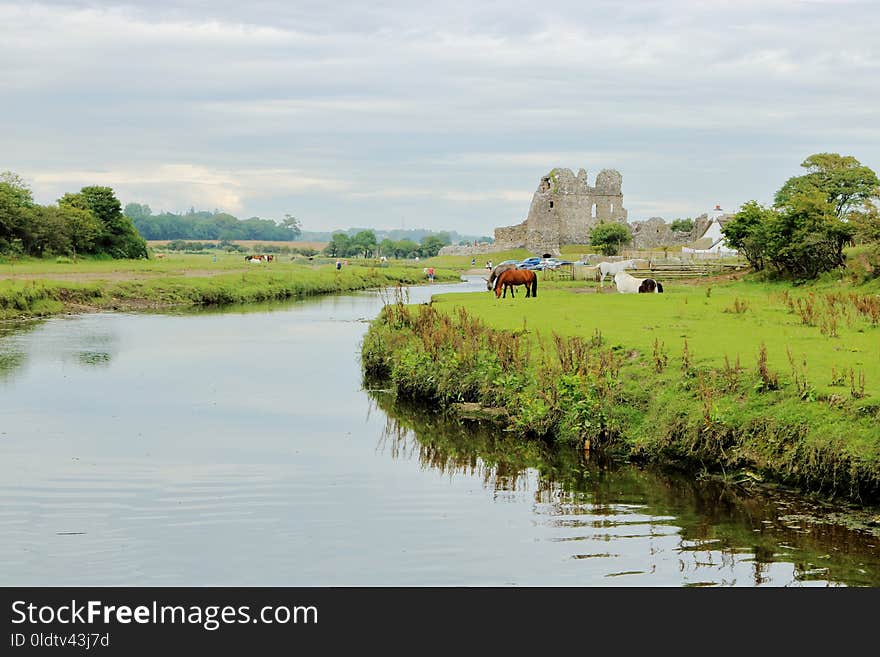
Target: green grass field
(185,280)
(729,320)
(464,261)
(676,377)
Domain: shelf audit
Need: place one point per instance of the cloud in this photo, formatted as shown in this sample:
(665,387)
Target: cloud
(178,186)
(394,111)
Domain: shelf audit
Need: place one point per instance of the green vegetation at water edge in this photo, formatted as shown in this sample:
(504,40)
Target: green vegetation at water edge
(764,380)
(33,298)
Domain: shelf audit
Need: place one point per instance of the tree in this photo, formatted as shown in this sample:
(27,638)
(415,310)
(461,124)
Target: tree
(747,232)
(866,223)
(800,240)
(406,248)
(844,181)
(386,247)
(807,236)
(339,245)
(431,244)
(119,238)
(609,238)
(682,225)
(84,229)
(364,243)
(135,211)
(292,225)
(16,204)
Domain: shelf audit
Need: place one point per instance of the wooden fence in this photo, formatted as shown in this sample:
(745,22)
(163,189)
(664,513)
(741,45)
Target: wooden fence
(658,270)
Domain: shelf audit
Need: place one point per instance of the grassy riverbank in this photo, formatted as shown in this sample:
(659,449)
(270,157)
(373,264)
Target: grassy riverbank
(186,281)
(752,379)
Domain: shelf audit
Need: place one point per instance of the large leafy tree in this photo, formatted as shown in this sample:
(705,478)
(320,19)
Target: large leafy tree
(609,238)
(807,236)
(406,248)
(801,240)
(364,243)
(339,245)
(747,232)
(16,207)
(119,238)
(844,181)
(431,244)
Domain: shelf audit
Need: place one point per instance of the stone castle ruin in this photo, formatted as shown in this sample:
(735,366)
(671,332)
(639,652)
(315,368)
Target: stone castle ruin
(564,208)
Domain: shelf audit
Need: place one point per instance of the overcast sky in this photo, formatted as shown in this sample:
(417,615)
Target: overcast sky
(442,116)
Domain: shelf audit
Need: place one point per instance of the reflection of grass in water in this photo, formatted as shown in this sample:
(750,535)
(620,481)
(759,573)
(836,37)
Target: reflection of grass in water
(713,516)
(11,357)
(94,357)
(9,362)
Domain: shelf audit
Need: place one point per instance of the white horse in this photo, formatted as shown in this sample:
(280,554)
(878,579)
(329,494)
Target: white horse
(631,285)
(612,268)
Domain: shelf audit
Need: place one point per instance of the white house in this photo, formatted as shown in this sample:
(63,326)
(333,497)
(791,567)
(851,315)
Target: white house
(718,247)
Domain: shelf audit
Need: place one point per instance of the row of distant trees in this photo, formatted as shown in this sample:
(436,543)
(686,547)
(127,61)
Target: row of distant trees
(203,225)
(364,244)
(813,217)
(88,222)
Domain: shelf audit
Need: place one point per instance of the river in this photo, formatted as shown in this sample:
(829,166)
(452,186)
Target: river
(240,448)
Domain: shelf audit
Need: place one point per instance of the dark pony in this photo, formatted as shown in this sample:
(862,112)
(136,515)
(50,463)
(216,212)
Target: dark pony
(513,277)
(490,282)
(650,285)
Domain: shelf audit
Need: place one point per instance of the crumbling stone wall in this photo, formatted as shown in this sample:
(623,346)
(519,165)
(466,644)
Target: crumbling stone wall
(656,232)
(479,249)
(511,237)
(563,210)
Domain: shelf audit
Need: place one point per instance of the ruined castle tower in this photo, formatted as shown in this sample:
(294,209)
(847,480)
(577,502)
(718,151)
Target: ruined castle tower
(564,209)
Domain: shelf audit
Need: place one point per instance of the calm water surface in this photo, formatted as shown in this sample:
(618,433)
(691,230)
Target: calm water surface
(239,448)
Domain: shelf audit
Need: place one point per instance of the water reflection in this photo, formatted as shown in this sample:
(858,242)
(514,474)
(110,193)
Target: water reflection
(13,356)
(239,448)
(632,522)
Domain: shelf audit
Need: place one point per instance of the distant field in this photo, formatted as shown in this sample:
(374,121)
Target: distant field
(250,243)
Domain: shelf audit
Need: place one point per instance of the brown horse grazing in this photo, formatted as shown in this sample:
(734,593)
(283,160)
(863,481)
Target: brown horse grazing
(513,277)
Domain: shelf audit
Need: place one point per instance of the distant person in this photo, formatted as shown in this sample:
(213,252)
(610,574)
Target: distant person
(431,274)
(473,262)
(338,265)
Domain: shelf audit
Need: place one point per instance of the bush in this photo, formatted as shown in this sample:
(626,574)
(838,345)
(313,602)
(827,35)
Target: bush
(609,238)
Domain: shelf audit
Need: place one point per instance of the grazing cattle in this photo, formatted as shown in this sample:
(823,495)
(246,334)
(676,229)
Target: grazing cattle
(490,282)
(513,277)
(631,285)
(606,268)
